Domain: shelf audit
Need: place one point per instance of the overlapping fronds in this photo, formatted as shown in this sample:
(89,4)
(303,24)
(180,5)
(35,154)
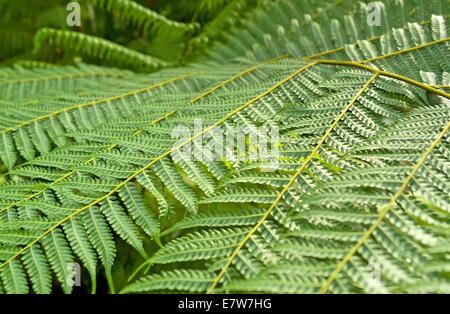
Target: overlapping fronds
(303,29)
(354,200)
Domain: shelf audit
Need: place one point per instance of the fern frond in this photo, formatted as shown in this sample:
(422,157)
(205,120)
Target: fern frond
(97,48)
(27,82)
(359,180)
(140,16)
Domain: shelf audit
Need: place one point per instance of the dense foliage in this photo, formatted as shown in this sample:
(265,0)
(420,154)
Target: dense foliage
(355,201)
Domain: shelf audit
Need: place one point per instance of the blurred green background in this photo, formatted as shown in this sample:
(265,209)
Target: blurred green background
(21,19)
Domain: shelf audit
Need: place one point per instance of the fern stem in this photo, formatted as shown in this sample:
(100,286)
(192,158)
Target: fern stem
(94,286)
(441,86)
(388,74)
(137,270)
(291,181)
(406,50)
(110,281)
(383,212)
(329,52)
(251,69)
(31,102)
(59,77)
